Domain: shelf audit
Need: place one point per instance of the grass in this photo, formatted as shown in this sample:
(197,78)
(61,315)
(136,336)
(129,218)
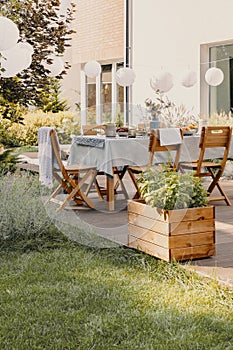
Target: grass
(56,294)
(20,150)
(73,297)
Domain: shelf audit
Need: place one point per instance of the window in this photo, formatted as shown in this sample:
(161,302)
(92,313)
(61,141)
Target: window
(219,98)
(104,98)
(91,100)
(106,93)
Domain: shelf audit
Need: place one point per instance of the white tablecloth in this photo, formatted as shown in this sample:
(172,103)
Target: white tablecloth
(132,151)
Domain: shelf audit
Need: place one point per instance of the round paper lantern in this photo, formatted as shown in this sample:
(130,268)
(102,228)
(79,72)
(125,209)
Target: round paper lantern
(27,46)
(64,7)
(214,76)
(162,82)
(92,69)
(56,67)
(9,33)
(189,78)
(15,60)
(125,76)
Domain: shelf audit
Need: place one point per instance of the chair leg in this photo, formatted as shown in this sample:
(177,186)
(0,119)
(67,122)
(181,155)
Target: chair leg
(215,183)
(54,194)
(98,190)
(133,178)
(119,181)
(77,190)
(97,187)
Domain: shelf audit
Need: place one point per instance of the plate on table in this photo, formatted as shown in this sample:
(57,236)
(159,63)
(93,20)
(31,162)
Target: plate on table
(122,133)
(190,132)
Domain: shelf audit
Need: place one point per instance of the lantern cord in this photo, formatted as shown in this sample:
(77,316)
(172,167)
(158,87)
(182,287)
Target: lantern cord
(216,61)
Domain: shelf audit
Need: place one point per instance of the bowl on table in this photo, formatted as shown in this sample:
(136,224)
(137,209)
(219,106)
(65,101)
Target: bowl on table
(190,131)
(123,131)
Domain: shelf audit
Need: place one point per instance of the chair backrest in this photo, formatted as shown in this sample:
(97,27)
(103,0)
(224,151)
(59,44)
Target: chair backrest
(213,137)
(56,151)
(92,129)
(155,146)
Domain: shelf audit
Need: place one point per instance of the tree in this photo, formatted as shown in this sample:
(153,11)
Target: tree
(48,31)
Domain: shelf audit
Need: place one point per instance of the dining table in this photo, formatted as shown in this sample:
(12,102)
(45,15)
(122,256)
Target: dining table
(107,153)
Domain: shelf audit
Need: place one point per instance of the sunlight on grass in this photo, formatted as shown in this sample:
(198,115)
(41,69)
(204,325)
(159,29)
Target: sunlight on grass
(79,298)
(57,294)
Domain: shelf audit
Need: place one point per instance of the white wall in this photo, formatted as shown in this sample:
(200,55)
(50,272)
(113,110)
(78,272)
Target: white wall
(167,34)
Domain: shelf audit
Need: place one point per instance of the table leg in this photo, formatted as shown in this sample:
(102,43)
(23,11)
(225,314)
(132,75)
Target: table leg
(110,192)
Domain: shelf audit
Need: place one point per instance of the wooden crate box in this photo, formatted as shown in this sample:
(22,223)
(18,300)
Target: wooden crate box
(181,234)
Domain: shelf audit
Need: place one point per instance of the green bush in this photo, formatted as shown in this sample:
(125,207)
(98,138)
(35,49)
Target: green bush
(17,135)
(7,162)
(168,189)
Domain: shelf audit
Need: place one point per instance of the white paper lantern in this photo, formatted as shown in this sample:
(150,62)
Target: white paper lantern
(15,60)
(214,76)
(64,7)
(189,78)
(92,69)
(125,76)
(56,67)
(25,45)
(9,33)
(162,82)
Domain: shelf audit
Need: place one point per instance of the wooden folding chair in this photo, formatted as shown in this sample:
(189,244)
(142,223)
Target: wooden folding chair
(89,130)
(70,180)
(155,146)
(212,137)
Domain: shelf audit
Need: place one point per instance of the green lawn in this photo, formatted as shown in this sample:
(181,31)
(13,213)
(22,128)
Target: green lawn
(72,297)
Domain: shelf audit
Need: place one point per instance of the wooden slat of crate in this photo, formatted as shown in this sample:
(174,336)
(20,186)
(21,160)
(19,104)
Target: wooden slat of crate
(139,207)
(136,232)
(150,248)
(197,252)
(176,228)
(170,242)
(185,253)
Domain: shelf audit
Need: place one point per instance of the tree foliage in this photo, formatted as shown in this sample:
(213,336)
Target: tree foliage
(41,25)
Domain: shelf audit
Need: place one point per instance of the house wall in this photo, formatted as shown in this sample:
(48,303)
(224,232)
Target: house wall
(167,35)
(99,26)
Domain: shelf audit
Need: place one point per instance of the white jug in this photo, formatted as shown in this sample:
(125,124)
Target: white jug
(110,130)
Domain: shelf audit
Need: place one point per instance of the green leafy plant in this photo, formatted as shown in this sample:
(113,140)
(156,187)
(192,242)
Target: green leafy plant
(17,135)
(8,162)
(168,189)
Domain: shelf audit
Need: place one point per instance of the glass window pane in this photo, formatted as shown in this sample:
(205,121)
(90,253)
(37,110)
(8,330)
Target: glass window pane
(91,103)
(221,96)
(106,93)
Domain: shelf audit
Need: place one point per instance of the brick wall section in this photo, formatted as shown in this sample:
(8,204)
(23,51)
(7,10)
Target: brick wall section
(99,26)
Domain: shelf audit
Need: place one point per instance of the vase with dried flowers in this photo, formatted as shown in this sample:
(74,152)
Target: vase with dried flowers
(156,108)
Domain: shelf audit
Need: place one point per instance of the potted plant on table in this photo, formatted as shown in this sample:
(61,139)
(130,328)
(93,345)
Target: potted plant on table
(172,220)
(165,112)
(156,108)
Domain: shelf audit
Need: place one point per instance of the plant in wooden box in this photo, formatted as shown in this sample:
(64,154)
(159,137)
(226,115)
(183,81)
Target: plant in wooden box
(172,220)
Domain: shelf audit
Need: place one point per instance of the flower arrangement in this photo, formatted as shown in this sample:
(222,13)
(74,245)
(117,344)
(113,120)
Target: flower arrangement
(157,107)
(170,114)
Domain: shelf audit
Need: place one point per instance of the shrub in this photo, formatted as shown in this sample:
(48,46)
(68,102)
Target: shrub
(16,135)
(168,189)
(7,162)
(22,213)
